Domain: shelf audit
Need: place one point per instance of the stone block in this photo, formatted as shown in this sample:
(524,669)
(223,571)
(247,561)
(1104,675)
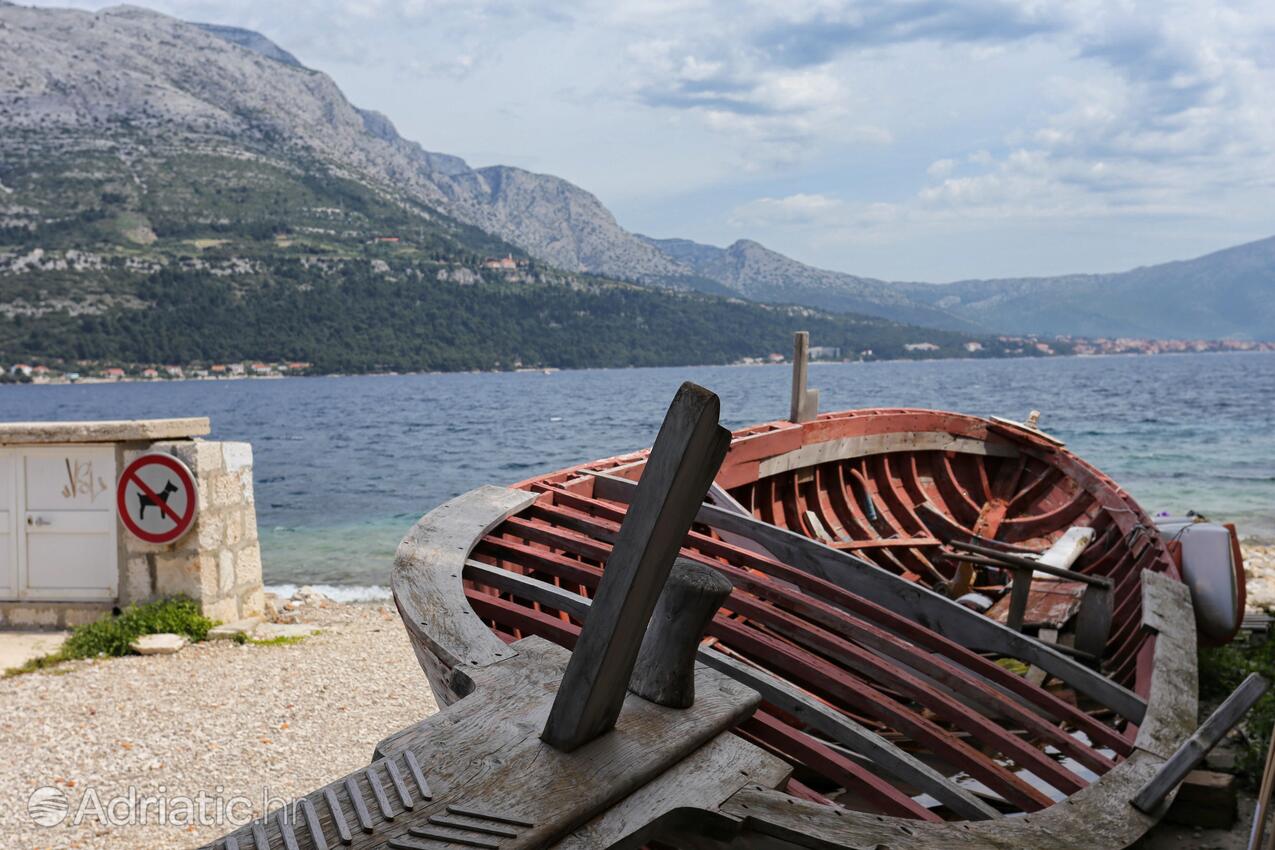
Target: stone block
(160,644)
(236,456)
(185,573)
(1206,800)
(33,615)
(82,616)
(234,527)
(248,566)
(203,457)
(249,524)
(226,572)
(226,490)
(137,580)
(222,610)
(210,531)
(253,603)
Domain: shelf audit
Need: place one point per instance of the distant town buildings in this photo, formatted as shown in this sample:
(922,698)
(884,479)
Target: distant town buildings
(921,346)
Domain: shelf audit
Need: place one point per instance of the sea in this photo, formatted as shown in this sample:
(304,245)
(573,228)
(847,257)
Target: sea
(345,465)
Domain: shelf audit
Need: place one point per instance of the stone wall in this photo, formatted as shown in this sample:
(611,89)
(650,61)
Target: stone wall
(218,562)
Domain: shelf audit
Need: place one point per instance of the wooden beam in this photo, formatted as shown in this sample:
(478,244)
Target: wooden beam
(687,454)
(805,403)
(924,606)
(1193,750)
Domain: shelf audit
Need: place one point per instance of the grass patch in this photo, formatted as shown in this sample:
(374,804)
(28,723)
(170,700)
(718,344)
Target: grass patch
(1221,671)
(281,640)
(111,636)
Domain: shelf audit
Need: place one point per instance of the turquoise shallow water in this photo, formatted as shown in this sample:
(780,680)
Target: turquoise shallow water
(345,465)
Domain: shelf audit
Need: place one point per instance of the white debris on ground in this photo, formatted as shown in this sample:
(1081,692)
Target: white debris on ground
(258,722)
(1259,570)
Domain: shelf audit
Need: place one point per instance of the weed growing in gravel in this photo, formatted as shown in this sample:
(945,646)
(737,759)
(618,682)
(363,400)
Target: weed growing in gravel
(281,640)
(111,636)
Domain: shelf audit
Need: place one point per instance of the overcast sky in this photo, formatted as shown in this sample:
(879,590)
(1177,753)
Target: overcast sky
(906,140)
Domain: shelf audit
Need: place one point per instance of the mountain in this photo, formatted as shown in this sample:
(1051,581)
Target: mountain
(173,193)
(1229,294)
(755,272)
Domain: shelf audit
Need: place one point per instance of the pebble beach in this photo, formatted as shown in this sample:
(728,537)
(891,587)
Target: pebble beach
(255,724)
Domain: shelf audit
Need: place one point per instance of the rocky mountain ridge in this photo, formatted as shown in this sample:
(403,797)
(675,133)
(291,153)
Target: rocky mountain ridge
(66,72)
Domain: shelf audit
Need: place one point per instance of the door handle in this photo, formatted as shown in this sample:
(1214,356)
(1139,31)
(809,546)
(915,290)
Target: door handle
(38,521)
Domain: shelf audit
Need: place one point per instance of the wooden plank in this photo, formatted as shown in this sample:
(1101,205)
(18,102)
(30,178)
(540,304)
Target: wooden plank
(805,402)
(657,810)
(1193,750)
(686,456)
(874,444)
(483,759)
(1167,610)
(935,612)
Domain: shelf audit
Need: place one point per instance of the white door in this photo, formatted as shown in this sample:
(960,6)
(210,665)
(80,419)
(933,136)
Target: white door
(8,526)
(68,536)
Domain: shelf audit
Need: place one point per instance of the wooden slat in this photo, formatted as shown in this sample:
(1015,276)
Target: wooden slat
(685,458)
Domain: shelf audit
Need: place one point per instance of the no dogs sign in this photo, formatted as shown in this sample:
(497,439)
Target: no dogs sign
(156,498)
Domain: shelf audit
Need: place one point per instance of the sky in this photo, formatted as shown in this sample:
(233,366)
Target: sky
(906,140)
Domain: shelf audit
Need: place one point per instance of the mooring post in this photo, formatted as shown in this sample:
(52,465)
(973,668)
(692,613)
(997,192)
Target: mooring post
(805,403)
(687,454)
(665,671)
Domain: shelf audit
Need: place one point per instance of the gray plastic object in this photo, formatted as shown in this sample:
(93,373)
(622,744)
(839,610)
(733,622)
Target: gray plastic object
(1210,571)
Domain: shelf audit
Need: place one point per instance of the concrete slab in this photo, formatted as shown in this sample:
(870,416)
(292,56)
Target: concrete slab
(19,647)
(104,431)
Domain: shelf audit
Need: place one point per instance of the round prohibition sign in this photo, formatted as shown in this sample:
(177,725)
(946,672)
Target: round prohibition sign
(156,498)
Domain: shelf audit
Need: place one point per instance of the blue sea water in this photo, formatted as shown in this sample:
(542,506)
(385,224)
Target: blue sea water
(345,465)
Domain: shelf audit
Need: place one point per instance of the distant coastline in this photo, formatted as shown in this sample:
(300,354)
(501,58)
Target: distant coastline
(41,374)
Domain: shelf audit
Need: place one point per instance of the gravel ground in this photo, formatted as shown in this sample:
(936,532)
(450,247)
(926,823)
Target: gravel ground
(1259,567)
(257,722)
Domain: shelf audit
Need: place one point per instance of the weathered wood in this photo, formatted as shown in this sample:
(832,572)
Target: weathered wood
(1017,562)
(886,756)
(1019,590)
(1193,750)
(805,402)
(1091,818)
(1093,620)
(846,448)
(483,760)
(665,668)
(686,456)
(937,613)
(429,594)
(682,797)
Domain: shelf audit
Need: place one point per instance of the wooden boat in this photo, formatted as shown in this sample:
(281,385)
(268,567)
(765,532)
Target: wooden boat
(845,697)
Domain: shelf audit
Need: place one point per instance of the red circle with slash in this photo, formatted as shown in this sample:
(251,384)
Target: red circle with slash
(156,498)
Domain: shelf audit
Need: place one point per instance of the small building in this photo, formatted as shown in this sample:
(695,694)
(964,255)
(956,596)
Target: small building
(150,374)
(217,369)
(505,263)
(921,346)
(973,346)
(113,374)
(260,368)
(66,557)
(825,352)
(21,369)
(174,371)
(235,368)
